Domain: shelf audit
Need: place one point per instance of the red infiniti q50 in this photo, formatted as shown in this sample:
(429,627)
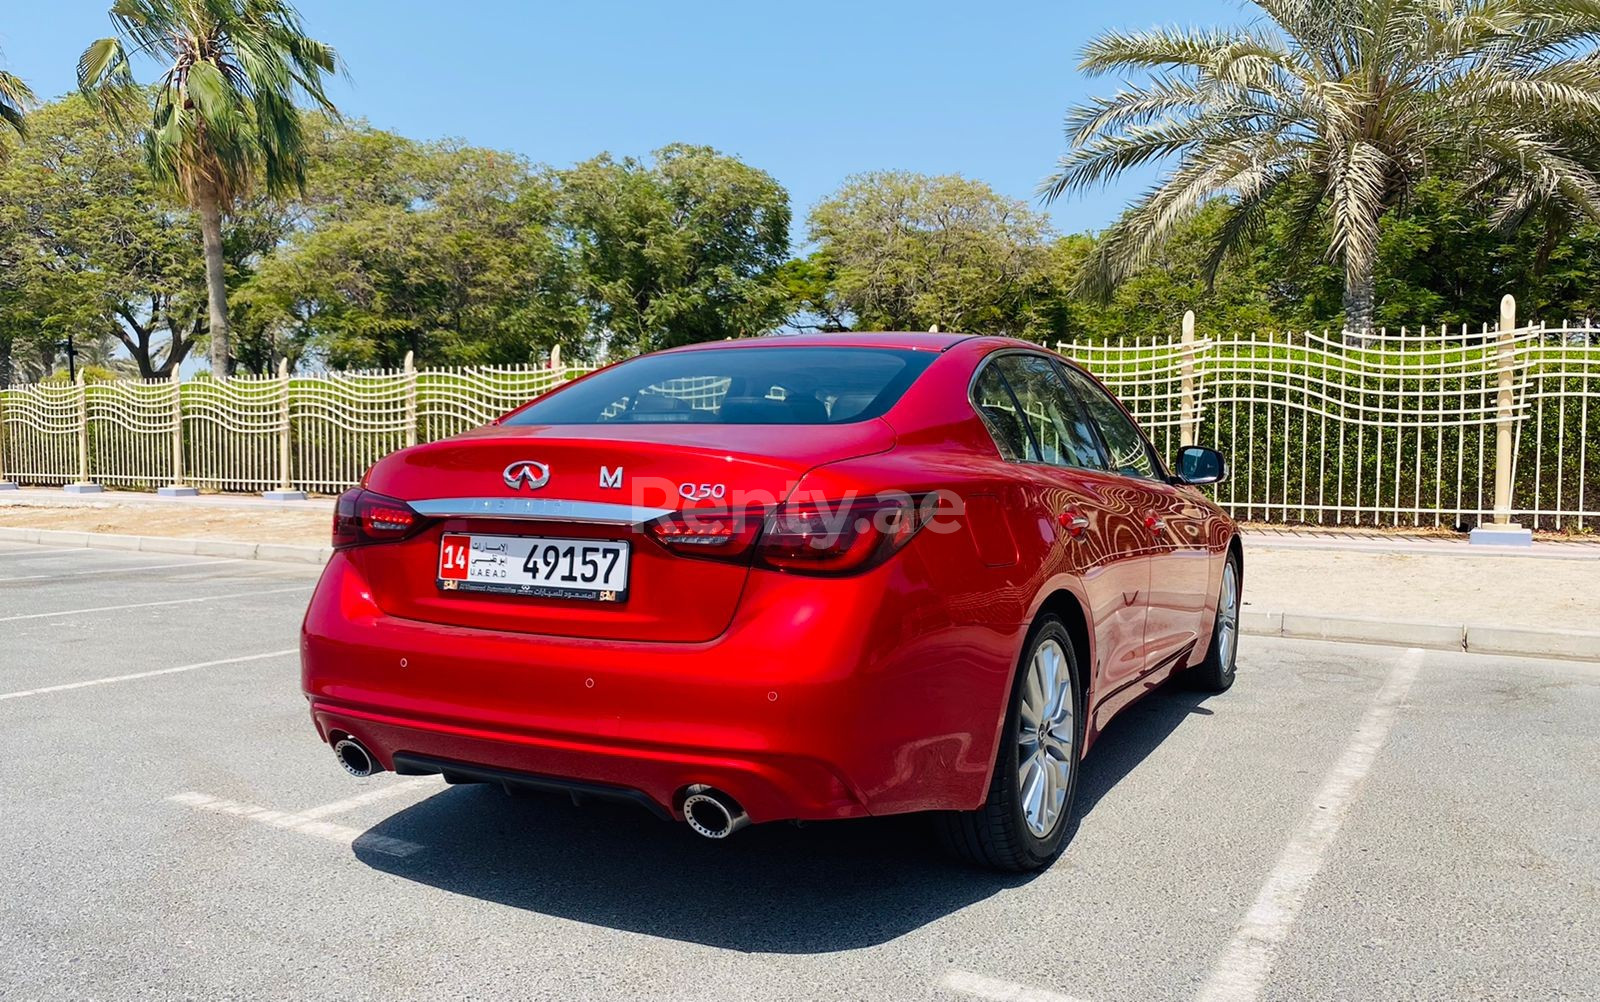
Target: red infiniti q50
(793,577)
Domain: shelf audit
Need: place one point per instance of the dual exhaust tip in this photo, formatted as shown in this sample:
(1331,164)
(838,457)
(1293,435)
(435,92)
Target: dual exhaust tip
(709,812)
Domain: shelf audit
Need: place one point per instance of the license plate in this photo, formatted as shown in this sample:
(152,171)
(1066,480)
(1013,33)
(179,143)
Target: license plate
(594,570)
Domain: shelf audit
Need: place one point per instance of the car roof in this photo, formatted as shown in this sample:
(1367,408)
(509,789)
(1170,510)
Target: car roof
(918,340)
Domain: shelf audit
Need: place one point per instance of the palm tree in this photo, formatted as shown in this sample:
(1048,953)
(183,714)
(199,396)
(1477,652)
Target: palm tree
(1336,108)
(15,100)
(222,116)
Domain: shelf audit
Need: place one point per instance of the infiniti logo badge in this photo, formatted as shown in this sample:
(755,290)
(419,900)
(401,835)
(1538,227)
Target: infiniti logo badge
(526,473)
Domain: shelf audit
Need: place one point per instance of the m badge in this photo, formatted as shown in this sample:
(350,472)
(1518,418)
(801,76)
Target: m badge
(610,478)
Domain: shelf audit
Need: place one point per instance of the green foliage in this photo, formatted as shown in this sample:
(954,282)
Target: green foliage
(88,373)
(682,249)
(15,100)
(90,248)
(445,251)
(1344,107)
(906,251)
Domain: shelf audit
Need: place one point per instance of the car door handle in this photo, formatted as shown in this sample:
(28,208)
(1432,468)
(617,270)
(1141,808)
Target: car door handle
(1075,522)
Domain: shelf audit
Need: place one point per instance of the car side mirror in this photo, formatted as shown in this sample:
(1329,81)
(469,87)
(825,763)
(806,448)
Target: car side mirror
(1198,466)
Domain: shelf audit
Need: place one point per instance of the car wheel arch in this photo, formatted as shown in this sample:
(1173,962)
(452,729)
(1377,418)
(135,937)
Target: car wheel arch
(1070,608)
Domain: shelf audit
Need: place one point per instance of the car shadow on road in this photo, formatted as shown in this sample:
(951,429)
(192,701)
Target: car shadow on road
(1130,738)
(775,888)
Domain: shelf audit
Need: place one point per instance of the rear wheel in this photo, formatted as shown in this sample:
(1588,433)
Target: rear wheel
(1215,673)
(1023,824)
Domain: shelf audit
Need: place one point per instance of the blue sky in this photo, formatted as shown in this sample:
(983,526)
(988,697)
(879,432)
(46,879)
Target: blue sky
(810,92)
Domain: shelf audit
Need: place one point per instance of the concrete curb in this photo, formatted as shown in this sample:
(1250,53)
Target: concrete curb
(1576,645)
(278,552)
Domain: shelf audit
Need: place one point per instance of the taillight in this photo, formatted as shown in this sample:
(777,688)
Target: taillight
(717,534)
(812,537)
(365,517)
(838,537)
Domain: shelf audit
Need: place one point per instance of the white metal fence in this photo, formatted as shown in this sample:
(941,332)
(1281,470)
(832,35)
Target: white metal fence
(1402,430)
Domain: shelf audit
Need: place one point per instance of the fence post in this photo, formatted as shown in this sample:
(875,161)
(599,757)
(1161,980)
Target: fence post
(83,486)
(285,491)
(411,399)
(1502,530)
(177,489)
(1188,419)
(5,485)
(555,365)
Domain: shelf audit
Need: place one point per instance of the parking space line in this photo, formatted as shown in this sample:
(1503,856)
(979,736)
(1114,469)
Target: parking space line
(151,605)
(1241,972)
(145,674)
(370,797)
(325,830)
(120,570)
(996,990)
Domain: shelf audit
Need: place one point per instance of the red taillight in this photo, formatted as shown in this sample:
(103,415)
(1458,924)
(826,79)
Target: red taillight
(812,537)
(364,517)
(837,537)
(715,534)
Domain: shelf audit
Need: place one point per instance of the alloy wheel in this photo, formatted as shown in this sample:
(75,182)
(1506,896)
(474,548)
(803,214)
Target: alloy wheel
(1046,739)
(1228,617)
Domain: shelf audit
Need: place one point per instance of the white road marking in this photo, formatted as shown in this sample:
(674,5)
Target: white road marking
(149,605)
(145,674)
(302,823)
(370,797)
(979,986)
(1241,972)
(116,569)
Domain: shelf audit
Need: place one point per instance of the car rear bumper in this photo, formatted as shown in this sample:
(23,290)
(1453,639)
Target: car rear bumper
(768,787)
(815,704)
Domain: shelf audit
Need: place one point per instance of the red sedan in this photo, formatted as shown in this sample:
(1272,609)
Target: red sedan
(794,577)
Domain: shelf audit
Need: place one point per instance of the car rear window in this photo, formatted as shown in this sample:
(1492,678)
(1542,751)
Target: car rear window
(795,385)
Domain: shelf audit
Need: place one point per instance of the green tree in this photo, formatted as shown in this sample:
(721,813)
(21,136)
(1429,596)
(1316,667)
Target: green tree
(445,251)
(223,117)
(811,288)
(684,249)
(1348,105)
(92,249)
(907,251)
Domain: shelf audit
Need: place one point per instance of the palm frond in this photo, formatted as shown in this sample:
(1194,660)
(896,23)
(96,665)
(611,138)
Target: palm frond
(16,100)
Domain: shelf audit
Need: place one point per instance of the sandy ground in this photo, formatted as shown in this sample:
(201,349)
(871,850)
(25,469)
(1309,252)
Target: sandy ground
(1447,587)
(256,524)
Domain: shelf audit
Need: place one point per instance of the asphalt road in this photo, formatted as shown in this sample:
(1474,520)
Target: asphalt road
(1347,823)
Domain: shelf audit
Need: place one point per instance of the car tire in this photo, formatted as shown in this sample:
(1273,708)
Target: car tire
(1005,833)
(1216,672)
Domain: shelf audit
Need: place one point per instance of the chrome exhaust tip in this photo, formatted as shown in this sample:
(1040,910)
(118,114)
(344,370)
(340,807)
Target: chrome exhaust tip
(355,759)
(712,813)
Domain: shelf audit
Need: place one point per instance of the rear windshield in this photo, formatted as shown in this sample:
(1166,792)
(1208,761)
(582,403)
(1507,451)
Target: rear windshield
(797,385)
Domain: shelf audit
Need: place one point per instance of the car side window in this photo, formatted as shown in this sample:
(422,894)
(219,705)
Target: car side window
(1059,425)
(998,408)
(1130,453)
